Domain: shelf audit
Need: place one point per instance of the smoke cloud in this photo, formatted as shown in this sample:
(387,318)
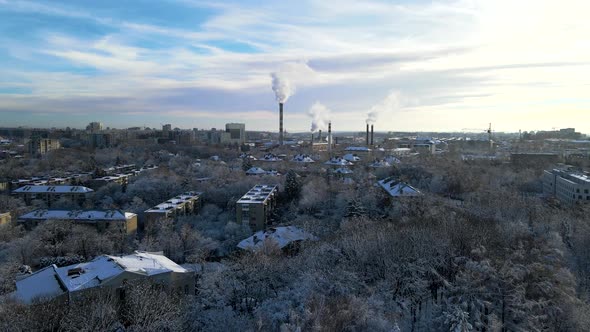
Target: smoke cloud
(282,87)
(320,116)
(390,103)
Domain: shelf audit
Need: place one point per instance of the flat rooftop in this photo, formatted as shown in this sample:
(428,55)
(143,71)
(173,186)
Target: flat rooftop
(53,190)
(175,202)
(77,215)
(258,194)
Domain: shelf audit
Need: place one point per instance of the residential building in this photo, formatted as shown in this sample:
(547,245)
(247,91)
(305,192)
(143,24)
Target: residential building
(255,206)
(109,220)
(51,194)
(166,127)
(566,185)
(184,204)
(282,237)
(107,273)
(237,132)
(39,145)
(94,127)
(396,188)
(5,218)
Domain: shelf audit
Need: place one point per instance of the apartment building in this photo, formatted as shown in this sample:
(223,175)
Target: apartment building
(42,145)
(107,273)
(181,205)
(255,206)
(567,185)
(109,220)
(51,194)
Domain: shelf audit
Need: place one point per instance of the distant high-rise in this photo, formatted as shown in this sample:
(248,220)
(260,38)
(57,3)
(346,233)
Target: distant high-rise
(167,127)
(94,127)
(237,132)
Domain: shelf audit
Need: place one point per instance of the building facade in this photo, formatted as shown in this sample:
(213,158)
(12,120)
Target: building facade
(255,206)
(184,204)
(42,145)
(114,221)
(50,194)
(567,186)
(5,218)
(237,132)
(105,273)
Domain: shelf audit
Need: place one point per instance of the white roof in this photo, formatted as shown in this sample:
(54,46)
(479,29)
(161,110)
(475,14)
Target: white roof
(343,170)
(255,171)
(175,202)
(302,158)
(41,284)
(282,236)
(78,215)
(53,189)
(337,161)
(53,281)
(258,194)
(351,157)
(380,163)
(358,148)
(398,189)
(392,160)
(270,157)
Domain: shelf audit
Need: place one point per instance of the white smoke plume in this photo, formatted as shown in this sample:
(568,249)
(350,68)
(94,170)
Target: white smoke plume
(390,103)
(320,116)
(282,87)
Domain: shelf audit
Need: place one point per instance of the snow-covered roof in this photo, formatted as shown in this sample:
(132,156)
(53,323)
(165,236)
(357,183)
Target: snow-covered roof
(270,157)
(358,148)
(53,189)
(41,284)
(379,164)
(282,236)
(53,281)
(258,194)
(247,156)
(397,188)
(302,158)
(342,170)
(255,171)
(392,160)
(337,161)
(351,157)
(78,215)
(175,202)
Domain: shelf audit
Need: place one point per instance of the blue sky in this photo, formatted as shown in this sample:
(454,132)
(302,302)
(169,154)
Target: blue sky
(414,65)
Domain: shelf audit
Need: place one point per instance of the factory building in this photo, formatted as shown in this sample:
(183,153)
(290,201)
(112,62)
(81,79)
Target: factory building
(566,185)
(255,206)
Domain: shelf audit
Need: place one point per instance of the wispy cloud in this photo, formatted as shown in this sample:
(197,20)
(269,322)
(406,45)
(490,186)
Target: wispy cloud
(455,56)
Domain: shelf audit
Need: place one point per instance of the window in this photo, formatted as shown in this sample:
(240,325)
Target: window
(585,191)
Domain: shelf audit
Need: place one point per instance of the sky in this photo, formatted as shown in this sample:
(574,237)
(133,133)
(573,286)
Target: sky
(405,65)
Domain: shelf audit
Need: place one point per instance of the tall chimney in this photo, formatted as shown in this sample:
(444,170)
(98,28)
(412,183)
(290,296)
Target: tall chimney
(367,134)
(311,142)
(330,138)
(320,136)
(372,135)
(280,123)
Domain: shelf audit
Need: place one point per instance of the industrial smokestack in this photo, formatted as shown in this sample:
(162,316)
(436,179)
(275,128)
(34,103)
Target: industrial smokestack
(330,138)
(320,136)
(371,134)
(280,123)
(311,142)
(367,134)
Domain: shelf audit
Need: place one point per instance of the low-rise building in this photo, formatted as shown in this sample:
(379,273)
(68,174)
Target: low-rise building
(255,206)
(282,237)
(109,220)
(107,273)
(534,159)
(49,194)
(566,185)
(395,188)
(181,205)
(5,218)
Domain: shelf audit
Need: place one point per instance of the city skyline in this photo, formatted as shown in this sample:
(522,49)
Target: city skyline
(417,65)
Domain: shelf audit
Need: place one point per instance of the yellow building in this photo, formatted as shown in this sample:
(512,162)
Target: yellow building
(5,218)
